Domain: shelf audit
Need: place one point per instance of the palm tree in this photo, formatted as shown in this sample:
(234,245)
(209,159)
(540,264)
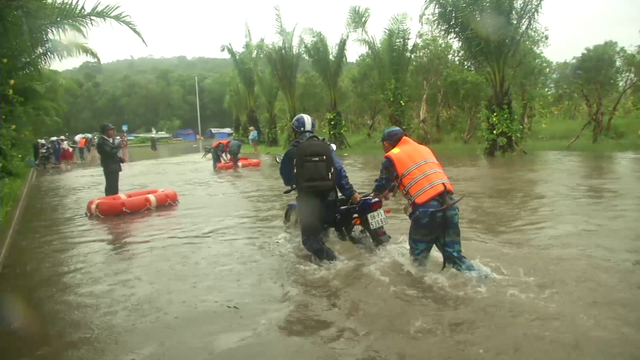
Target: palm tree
(391,57)
(329,65)
(245,64)
(236,101)
(490,34)
(269,90)
(284,59)
(30,31)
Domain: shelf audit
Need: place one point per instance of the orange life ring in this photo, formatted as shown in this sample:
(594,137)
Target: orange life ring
(131,202)
(243,162)
(225,166)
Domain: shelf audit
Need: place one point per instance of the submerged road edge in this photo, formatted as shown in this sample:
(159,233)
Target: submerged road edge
(16,216)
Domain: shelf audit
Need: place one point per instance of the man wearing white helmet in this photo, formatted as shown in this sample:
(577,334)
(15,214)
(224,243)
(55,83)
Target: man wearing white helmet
(311,165)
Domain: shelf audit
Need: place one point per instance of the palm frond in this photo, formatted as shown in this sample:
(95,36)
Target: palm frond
(72,16)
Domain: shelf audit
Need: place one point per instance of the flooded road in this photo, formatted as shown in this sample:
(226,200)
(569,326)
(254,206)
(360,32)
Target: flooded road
(218,277)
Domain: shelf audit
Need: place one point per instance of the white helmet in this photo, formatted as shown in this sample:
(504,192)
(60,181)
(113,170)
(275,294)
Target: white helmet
(53,138)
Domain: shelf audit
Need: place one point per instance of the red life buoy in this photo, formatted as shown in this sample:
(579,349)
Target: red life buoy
(243,162)
(225,166)
(135,201)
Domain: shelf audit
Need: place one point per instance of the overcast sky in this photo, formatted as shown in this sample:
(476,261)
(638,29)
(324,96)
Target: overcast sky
(198,27)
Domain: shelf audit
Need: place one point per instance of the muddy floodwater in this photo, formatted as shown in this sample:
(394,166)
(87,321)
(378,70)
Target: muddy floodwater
(557,236)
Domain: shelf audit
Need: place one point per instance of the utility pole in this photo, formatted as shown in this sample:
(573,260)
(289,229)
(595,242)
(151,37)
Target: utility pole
(198,109)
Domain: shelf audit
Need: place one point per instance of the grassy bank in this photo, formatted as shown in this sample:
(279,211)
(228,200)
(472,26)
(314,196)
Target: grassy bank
(10,189)
(548,135)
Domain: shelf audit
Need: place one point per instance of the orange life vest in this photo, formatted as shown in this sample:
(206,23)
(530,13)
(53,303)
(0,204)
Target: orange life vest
(82,143)
(225,142)
(421,177)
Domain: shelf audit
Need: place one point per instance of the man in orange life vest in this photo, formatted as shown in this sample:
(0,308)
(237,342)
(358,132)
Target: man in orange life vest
(218,149)
(424,184)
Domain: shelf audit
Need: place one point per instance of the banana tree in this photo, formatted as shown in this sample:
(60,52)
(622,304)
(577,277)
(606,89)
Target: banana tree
(245,64)
(284,57)
(391,56)
(489,34)
(329,66)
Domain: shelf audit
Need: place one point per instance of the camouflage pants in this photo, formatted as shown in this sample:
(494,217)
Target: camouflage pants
(439,228)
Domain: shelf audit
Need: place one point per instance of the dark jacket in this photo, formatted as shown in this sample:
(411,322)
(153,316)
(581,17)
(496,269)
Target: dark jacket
(235,146)
(287,175)
(109,158)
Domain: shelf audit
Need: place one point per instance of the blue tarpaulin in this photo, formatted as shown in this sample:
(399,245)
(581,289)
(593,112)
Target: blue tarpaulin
(218,134)
(186,134)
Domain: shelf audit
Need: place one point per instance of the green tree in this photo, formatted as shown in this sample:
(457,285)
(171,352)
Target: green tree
(269,91)
(329,66)
(391,57)
(490,34)
(245,64)
(604,73)
(236,102)
(431,60)
(30,33)
(284,57)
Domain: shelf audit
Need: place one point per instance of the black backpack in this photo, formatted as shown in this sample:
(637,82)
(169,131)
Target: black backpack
(314,169)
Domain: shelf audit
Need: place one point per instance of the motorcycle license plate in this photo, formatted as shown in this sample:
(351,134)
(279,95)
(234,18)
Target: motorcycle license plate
(377,219)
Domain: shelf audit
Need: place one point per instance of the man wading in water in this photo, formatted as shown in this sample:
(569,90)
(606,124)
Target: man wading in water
(431,208)
(313,168)
(109,158)
(234,151)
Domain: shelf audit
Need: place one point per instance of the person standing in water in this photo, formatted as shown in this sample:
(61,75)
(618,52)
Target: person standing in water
(56,149)
(313,168)
(253,139)
(154,143)
(82,144)
(431,208)
(218,150)
(234,151)
(109,159)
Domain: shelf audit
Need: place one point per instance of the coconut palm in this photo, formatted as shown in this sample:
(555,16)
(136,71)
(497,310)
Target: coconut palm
(245,64)
(329,66)
(490,34)
(391,57)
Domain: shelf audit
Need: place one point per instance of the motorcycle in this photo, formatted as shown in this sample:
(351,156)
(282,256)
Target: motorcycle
(45,157)
(353,222)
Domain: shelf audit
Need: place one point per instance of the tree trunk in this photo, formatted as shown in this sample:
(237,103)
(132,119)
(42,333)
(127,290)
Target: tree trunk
(615,106)
(597,119)
(237,124)
(469,131)
(439,110)
(374,112)
(272,131)
(372,123)
(425,98)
